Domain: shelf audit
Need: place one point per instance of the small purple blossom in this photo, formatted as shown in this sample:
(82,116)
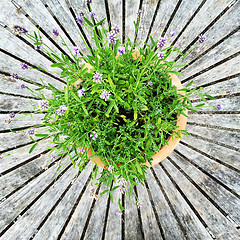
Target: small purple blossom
(121,190)
(58,163)
(161,42)
(94,15)
(38,47)
(30,132)
(116,30)
(201,39)
(172,33)
(22,85)
(228,91)
(219,107)
(61,110)
(76,51)
(161,55)
(180,44)
(110,168)
(70,124)
(8,121)
(112,37)
(55,32)
(105,95)
(12,115)
(82,150)
(92,192)
(81,92)
(119,212)
(24,66)
(53,157)
(121,50)
(18,30)
(80,20)
(139,204)
(14,76)
(88,1)
(150,83)
(43,104)
(97,77)
(139,13)
(94,135)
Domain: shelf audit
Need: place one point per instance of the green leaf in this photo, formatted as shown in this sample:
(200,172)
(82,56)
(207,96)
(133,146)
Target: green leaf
(99,23)
(177,73)
(103,192)
(33,147)
(66,94)
(84,109)
(139,168)
(88,22)
(120,205)
(200,105)
(41,135)
(209,96)
(59,65)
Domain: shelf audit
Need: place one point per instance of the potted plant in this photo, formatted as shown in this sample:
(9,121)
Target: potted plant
(123,107)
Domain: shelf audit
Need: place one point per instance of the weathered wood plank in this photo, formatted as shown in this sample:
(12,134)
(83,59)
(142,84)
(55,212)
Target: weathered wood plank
(225,175)
(20,200)
(217,223)
(213,190)
(194,227)
(151,228)
(166,216)
(36,213)
(56,220)
(227,121)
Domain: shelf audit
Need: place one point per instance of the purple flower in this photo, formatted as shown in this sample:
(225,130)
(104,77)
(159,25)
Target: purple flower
(110,168)
(61,110)
(122,181)
(14,75)
(30,132)
(105,95)
(121,190)
(38,47)
(121,50)
(55,32)
(19,30)
(150,83)
(180,44)
(161,42)
(161,55)
(112,37)
(116,30)
(22,85)
(139,204)
(228,91)
(92,192)
(219,107)
(97,77)
(201,39)
(80,20)
(172,33)
(81,92)
(58,163)
(12,115)
(8,121)
(94,135)
(94,15)
(119,212)
(76,51)
(88,1)
(82,150)
(139,13)
(69,124)
(24,66)
(53,157)
(43,104)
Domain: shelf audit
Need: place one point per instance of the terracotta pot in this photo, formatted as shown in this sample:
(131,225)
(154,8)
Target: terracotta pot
(172,142)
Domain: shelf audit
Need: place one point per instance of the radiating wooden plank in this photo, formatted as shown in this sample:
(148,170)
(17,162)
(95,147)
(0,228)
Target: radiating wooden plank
(21,155)
(150,226)
(223,229)
(56,220)
(165,213)
(20,200)
(229,138)
(32,75)
(37,212)
(194,227)
(114,220)
(216,192)
(227,176)
(228,121)
(76,224)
